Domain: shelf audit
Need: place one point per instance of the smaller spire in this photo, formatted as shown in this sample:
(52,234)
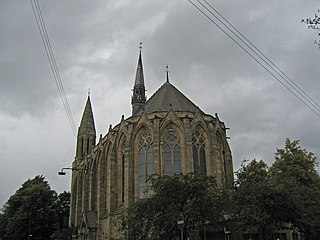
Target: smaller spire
(139,80)
(87,132)
(167,71)
(138,97)
(87,120)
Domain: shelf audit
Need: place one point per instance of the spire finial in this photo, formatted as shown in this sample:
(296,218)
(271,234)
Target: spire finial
(88,92)
(140,46)
(167,71)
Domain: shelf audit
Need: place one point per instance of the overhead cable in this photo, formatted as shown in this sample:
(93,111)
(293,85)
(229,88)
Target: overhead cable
(227,28)
(51,58)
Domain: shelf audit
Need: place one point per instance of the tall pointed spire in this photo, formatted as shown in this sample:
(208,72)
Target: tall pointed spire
(87,132)
(138,97)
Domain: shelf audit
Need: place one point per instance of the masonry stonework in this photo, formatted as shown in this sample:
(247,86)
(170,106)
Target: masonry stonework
(166,134)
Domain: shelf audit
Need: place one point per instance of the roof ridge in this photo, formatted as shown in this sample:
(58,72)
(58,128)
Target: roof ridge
(156,91)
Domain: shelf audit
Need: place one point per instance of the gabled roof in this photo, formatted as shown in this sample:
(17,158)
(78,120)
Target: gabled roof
(168,97)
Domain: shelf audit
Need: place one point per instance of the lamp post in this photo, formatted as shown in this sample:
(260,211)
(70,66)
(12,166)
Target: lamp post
(180,225)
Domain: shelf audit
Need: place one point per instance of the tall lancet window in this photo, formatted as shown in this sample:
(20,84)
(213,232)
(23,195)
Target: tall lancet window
(145,162)
(123,172)
(172,154)
(199,152)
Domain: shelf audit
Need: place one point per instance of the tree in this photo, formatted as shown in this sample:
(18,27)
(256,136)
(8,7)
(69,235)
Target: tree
(297,182)
(253,199)
(195,198)
(286,195)
(62,209)
(30,212)
(314,24)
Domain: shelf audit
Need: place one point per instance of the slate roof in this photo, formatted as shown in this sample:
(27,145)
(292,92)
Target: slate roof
(166,97)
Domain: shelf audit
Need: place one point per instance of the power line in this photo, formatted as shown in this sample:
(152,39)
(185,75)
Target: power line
(57,180)
(52,62)
(55,67)
(262,56)
(294,88)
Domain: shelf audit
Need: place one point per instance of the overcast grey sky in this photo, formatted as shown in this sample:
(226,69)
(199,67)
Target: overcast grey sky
(96,46)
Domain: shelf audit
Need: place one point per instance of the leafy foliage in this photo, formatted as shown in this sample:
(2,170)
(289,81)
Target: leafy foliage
(62,210)
(30,211)
(286,195)
(33,211)
(253,197)
(296,180)
(195,198)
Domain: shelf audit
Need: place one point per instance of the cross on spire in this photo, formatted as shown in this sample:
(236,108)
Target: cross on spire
(167,71)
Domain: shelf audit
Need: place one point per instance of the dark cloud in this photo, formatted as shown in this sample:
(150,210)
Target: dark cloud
(96,47)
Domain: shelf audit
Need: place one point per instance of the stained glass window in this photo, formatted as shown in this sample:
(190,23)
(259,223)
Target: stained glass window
(199,152)
(172,154)
(145,156)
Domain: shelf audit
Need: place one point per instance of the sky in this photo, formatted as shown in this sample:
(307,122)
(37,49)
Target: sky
(96,46)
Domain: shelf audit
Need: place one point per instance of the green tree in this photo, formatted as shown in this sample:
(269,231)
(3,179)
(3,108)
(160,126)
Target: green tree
(254,199)
(30,212)
(286,195)
(62,209)
(297,182)
(195,198)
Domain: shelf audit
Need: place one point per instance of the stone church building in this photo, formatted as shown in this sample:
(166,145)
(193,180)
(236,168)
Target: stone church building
(166,134)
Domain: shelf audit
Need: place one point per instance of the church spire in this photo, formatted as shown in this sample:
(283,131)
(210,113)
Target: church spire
(138,98)
(86,138)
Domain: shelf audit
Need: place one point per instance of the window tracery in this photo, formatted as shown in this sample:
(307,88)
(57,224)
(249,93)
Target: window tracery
(172,153)
(199,152)
(145,155)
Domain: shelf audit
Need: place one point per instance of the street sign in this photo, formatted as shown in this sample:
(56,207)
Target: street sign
(180,222)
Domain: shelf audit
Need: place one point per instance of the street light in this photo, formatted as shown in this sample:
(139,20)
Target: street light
(62,172)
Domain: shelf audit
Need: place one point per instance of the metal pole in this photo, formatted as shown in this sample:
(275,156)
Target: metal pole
(181,233)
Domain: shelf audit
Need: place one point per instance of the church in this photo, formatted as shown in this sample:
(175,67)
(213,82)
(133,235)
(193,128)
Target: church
(166,134)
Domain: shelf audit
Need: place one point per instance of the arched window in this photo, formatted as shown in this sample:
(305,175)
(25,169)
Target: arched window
(145,155)
(199,152)
(172,154)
